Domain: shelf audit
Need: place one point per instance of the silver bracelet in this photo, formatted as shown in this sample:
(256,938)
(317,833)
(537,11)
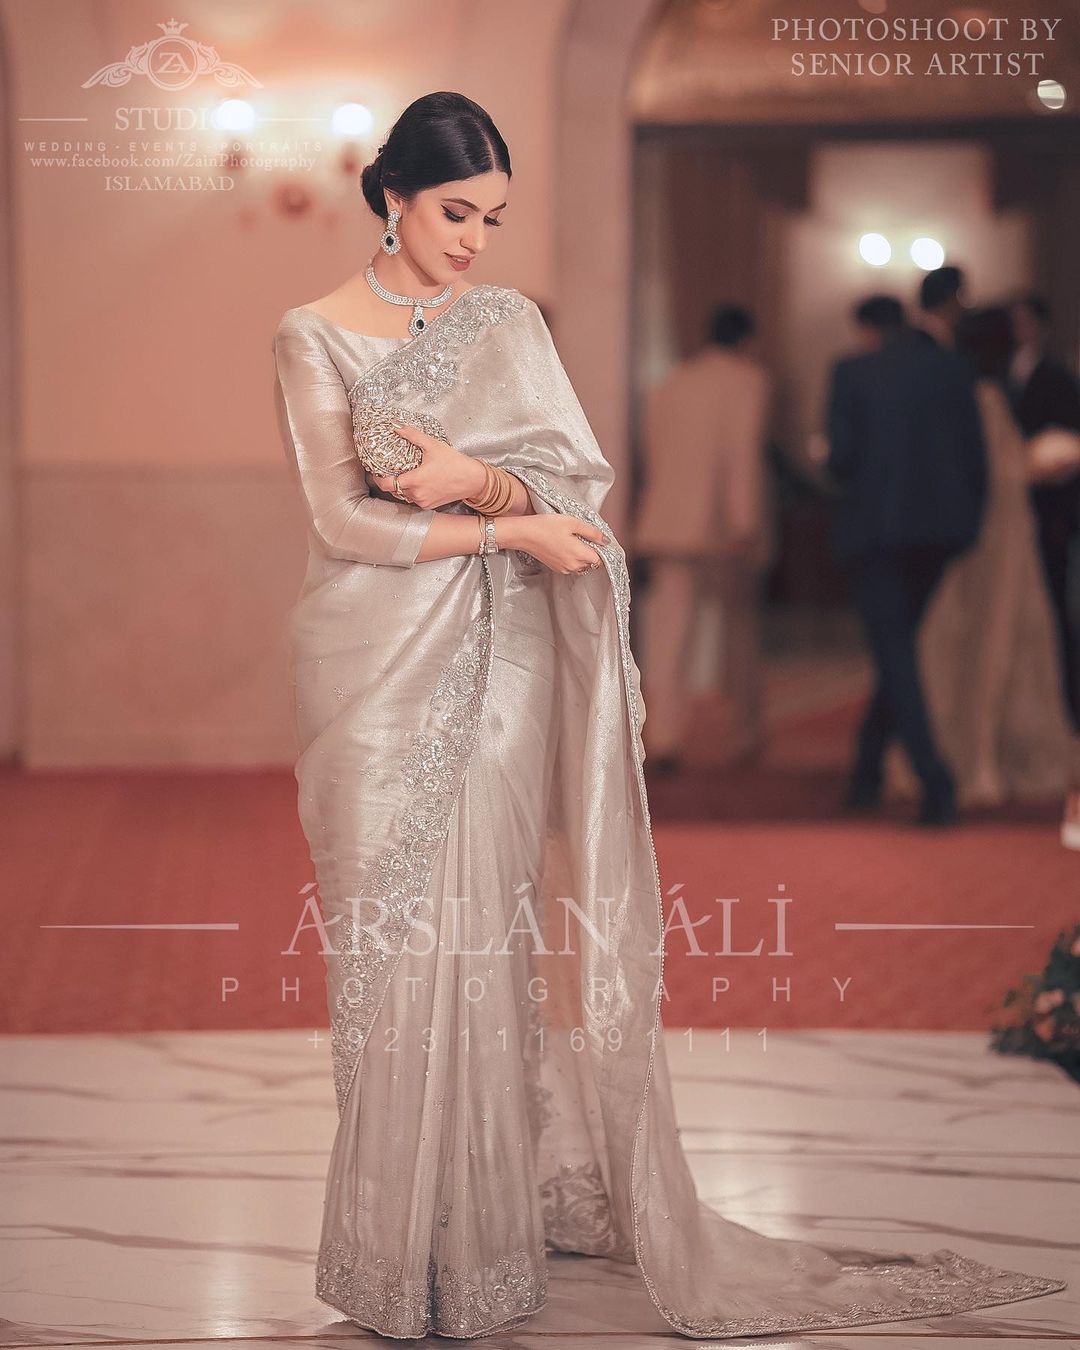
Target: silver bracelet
(489,543)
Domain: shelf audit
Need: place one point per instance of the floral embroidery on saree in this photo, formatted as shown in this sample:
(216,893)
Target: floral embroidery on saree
(453,1302)
(395,879)
(577,1208)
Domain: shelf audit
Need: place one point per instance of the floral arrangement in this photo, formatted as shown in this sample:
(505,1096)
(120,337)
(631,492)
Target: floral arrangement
(1045,1010)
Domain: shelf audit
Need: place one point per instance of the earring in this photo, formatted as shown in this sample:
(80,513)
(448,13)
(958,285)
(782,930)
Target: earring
(390,241)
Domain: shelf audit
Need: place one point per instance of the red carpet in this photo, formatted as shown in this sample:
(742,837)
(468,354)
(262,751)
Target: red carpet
(846,874)
(226,848)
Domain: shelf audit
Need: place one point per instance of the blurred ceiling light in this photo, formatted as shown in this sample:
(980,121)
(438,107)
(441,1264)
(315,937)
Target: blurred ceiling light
(1050,94)
(235,114)
(351,119)
(927,253)
(875,249)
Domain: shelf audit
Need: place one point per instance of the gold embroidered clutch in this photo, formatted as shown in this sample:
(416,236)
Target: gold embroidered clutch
(380,448)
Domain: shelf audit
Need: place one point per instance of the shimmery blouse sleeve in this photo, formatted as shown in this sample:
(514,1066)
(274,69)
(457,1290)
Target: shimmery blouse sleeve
(315,422)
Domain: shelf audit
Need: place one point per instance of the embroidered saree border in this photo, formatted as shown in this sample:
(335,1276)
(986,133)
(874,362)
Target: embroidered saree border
(941,1283)
(466,1303)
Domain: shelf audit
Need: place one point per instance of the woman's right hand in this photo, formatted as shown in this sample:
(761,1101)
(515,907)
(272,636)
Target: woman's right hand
(556,540)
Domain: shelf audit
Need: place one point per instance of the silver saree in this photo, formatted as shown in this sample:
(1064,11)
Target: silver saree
(470,785)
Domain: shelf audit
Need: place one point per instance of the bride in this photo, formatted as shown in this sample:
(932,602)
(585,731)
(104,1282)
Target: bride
(469,718)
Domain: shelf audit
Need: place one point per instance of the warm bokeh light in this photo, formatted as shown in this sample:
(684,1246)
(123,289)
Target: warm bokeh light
(927,253)
(1051,94)
(351,119)
(235,114)
(875,249)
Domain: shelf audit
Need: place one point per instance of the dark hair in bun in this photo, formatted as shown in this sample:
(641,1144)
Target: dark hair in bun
(439,138)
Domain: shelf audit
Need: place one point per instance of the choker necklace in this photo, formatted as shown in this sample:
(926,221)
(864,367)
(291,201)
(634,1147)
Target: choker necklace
(417,323)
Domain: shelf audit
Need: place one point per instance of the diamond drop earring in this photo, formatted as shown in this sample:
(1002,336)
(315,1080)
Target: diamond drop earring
(390,241)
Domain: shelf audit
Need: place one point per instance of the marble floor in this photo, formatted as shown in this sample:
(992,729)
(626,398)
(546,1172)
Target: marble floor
(166,1188)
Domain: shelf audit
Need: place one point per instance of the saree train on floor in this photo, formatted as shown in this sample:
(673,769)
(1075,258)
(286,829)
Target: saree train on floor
(468,726)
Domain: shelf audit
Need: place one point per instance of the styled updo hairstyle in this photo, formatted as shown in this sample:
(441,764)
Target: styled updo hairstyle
(439,138)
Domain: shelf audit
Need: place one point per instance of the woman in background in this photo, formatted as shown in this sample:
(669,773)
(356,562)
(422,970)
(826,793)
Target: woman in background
(988,645)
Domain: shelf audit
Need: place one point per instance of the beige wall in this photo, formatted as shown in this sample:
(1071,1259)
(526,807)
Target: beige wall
(159,540)
(162,541)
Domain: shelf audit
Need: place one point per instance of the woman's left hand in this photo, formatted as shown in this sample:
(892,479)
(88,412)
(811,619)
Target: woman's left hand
(444,475)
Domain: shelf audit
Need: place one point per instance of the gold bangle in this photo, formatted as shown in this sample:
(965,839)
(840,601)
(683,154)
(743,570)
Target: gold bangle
(478,500)
(497,494)
(471,501)
(493,496)
(504,494)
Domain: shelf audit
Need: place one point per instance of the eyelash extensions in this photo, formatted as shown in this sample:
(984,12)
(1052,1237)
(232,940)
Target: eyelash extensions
(458,219)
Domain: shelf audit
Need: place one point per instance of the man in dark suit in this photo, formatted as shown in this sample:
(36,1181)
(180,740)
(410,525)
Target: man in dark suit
(942,306)
(906,448)
(1045,393)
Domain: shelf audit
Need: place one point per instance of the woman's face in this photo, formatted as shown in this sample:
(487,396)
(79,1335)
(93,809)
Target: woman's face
(452,221)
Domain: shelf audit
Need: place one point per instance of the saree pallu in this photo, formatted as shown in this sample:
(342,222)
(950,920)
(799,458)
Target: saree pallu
(471,787)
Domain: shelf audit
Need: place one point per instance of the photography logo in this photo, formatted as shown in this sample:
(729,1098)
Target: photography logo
(172,62)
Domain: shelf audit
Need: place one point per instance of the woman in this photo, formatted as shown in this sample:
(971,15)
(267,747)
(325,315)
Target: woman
(470,772)
(988,645)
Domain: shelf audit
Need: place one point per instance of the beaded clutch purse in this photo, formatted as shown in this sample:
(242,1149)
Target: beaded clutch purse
(379,447)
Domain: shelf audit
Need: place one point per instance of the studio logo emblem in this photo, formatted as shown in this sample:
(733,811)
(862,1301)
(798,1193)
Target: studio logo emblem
(172,62)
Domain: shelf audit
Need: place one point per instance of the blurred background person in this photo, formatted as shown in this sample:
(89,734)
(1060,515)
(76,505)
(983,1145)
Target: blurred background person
(942,306)
(1045,395)
(704,525)
(988,645)
(905,446)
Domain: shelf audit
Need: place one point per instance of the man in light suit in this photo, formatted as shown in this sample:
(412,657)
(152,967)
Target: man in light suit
(704,524)
(906,449)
